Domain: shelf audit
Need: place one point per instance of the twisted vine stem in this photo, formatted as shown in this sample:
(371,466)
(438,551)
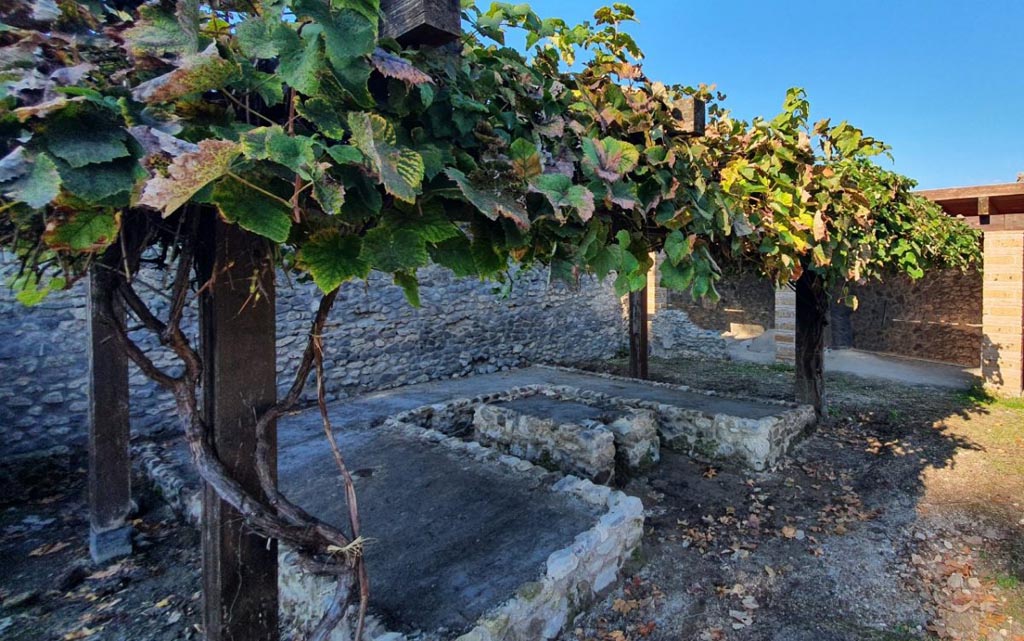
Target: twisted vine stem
(322,548)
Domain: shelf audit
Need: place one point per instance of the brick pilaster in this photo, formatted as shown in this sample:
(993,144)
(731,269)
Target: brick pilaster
(785,325)
(1002,348)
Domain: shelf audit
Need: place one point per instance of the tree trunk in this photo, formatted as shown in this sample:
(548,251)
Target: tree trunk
(811,320)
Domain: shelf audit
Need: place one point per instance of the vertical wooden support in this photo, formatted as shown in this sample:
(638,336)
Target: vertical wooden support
(239,379)
(110,493)
(638,349)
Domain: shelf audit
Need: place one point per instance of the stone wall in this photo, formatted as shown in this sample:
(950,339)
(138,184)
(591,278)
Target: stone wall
(746,299)
(936,318)
(375,340)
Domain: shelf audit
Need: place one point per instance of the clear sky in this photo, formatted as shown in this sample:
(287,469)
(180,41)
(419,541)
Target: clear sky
(941,81)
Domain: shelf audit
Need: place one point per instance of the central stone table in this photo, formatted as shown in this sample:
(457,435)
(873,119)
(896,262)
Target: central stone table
(450,536)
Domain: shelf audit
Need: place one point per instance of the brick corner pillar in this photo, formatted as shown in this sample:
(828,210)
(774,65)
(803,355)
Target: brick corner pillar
(1002,347)
(785,325)
(657,296)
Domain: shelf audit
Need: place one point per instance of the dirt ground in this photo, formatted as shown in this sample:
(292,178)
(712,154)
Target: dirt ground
(51,591)
(901,518)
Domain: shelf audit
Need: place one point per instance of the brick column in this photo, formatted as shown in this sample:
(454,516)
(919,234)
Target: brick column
(657,296)
(785,325)
(1002,347)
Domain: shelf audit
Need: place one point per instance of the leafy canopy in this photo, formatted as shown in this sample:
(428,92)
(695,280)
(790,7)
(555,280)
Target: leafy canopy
(294,120)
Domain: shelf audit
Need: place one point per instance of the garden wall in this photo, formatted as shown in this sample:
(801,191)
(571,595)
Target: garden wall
(936,318)
(375,340)
(747,299)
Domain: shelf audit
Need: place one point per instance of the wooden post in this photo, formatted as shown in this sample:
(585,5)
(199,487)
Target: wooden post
(422,22)
(110,490)
(638,357)
(239,379)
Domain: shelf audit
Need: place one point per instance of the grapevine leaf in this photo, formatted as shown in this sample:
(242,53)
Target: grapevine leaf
(14,164)
(110,183)
(609,159)
(86,231)
(85,140)
(332,259)
(675,277)
(561,193)
(400,170)
(490,202)
(301,59)
(392,66)
(455,254)
(430,223)
(410,287)
(196,74)
(677,247)
(156,33)
(390,250)
(256,38)
(189,173)
(37,187)
(252,210)
(325,116)
(526,162)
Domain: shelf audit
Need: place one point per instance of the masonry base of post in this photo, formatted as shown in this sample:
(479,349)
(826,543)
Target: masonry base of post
(107,545)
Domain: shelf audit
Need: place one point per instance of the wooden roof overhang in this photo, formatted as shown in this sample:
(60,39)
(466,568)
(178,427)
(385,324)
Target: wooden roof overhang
(987,207)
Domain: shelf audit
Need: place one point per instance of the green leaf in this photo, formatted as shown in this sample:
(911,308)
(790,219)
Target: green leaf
(273,144)
(328,192)
(609,159)
(301,59)
(410,286)
(428,221)
(562,194)
(677,247)
(347,33)
(85,139)
(390,250)
(110,183)
(189,173)
(323,115)
(675,277)
(39,186)
(332,259)
(489,201)
(455,254)
(252,210)
(345,154)
(400,170)
(526,161)
(87,231)
(256,38)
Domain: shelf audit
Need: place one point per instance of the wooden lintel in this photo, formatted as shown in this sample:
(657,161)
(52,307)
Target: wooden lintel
(422,22)
(961,193)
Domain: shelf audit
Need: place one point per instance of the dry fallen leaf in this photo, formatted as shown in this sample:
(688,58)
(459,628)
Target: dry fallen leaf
(49,548)
(80,633)
(789,531)
(625,607)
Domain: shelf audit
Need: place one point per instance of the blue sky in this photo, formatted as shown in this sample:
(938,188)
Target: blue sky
(941,81)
